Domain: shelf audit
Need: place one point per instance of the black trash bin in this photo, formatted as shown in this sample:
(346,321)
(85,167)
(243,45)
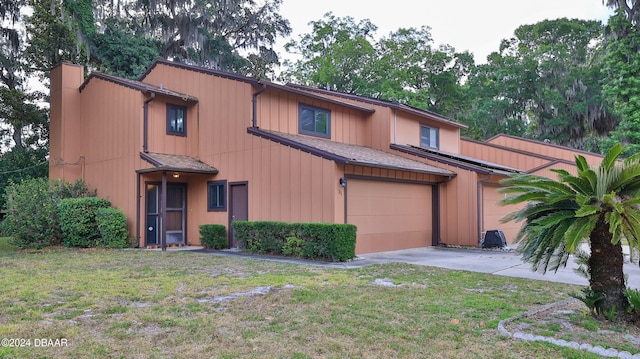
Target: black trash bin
(494,239)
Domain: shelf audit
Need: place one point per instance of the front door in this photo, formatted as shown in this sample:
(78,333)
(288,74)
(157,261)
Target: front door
(175,216)
(239,211)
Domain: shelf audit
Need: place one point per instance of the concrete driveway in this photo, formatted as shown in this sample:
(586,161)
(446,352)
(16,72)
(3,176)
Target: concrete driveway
(486,261)
(506,263)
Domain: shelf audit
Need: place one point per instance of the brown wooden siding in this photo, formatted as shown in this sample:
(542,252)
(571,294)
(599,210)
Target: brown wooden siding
(544,149)
(516,160)
(111,140)
(405,130)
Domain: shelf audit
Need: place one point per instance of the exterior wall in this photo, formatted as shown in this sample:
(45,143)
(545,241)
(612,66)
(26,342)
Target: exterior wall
(111,140)
(459,209)
(278,111)
(516,160)
(545,149)
(284,184)
(64,124)
(160,141)
(492,212)
(405,130)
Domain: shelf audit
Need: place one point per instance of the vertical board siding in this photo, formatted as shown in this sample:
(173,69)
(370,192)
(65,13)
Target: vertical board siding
(110,142)
(541,148)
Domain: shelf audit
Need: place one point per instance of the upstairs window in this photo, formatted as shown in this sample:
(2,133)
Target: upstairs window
(315,121)
(217,196)
(429,137)
(176,120)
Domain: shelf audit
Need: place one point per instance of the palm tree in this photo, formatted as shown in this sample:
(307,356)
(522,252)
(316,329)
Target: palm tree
(601,206)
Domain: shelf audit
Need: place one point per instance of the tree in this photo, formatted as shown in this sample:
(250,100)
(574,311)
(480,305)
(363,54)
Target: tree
(414,72)
(343,55)
(621,72)
(547,77)
(52,37)
(121,52)
(208,32)
(600,206)
(337,55)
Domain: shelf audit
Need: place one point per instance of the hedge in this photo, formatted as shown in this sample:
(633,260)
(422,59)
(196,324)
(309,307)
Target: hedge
(334,242)
(78,221)
(213,236)
(112,224)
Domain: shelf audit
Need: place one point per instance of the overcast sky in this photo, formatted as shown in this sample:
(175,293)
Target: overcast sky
(474,25)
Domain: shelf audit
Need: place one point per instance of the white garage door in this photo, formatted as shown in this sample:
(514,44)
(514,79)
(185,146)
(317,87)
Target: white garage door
(389,215)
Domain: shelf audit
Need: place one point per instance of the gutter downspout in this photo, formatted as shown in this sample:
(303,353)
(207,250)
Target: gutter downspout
(395,127)
(145,130)
(254,118)
(138,198)
(479,204)
(145,149)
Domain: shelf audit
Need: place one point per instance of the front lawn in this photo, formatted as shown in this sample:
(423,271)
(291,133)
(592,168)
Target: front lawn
(140,303)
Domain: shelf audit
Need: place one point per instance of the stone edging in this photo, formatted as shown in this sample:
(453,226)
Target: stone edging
(610,353)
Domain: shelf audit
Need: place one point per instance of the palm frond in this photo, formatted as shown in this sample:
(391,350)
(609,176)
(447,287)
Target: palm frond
(611,157)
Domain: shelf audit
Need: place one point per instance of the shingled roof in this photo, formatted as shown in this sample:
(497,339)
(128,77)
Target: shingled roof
(344,153)
(175,163)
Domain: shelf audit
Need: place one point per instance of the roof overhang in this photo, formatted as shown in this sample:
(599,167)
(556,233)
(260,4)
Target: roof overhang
(175,163)
(347,154)
(463,162)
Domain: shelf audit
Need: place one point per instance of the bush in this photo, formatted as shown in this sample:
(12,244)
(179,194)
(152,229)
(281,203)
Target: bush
(213,236)
(31,213)
(78,221)
(335,242)
(32,218)
(112,224)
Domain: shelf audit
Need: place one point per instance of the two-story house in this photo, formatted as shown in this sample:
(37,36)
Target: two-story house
(186,146)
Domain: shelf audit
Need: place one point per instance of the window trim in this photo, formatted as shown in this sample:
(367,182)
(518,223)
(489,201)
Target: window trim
(437,146)
(184,125)
(210,186)
(302,106)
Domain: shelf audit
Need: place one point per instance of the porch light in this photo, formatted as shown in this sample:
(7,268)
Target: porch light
(176,175)
(343,182)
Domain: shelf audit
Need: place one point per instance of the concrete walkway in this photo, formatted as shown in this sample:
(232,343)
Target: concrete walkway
(476,260)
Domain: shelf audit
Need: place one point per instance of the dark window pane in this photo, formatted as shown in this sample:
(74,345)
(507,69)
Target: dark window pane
(314,121)
(428,136)
(307,120)
(322,122)
(175,197)
(216,196)
(176,119)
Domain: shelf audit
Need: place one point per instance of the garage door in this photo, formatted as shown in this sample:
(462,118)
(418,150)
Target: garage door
(389,215)
(493,212)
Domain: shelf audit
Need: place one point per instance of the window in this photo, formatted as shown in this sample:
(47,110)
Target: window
(176,120)
(217,196)
(315,121)
(428,136)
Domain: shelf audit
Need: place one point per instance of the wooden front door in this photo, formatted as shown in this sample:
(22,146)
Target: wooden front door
(239,207)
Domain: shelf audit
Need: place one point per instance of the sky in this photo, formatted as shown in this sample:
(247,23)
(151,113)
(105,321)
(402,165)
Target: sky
(474,25)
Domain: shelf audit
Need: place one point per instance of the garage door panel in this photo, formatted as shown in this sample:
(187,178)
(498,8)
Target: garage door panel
(390,215)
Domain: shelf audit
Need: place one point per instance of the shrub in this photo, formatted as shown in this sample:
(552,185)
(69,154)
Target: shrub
(31,213)
(32,218)
(292,246)
(78,221)
(112,224)
(213,236)
(335,242)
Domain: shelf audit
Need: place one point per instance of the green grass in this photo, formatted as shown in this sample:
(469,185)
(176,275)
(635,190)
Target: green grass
(140,303)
